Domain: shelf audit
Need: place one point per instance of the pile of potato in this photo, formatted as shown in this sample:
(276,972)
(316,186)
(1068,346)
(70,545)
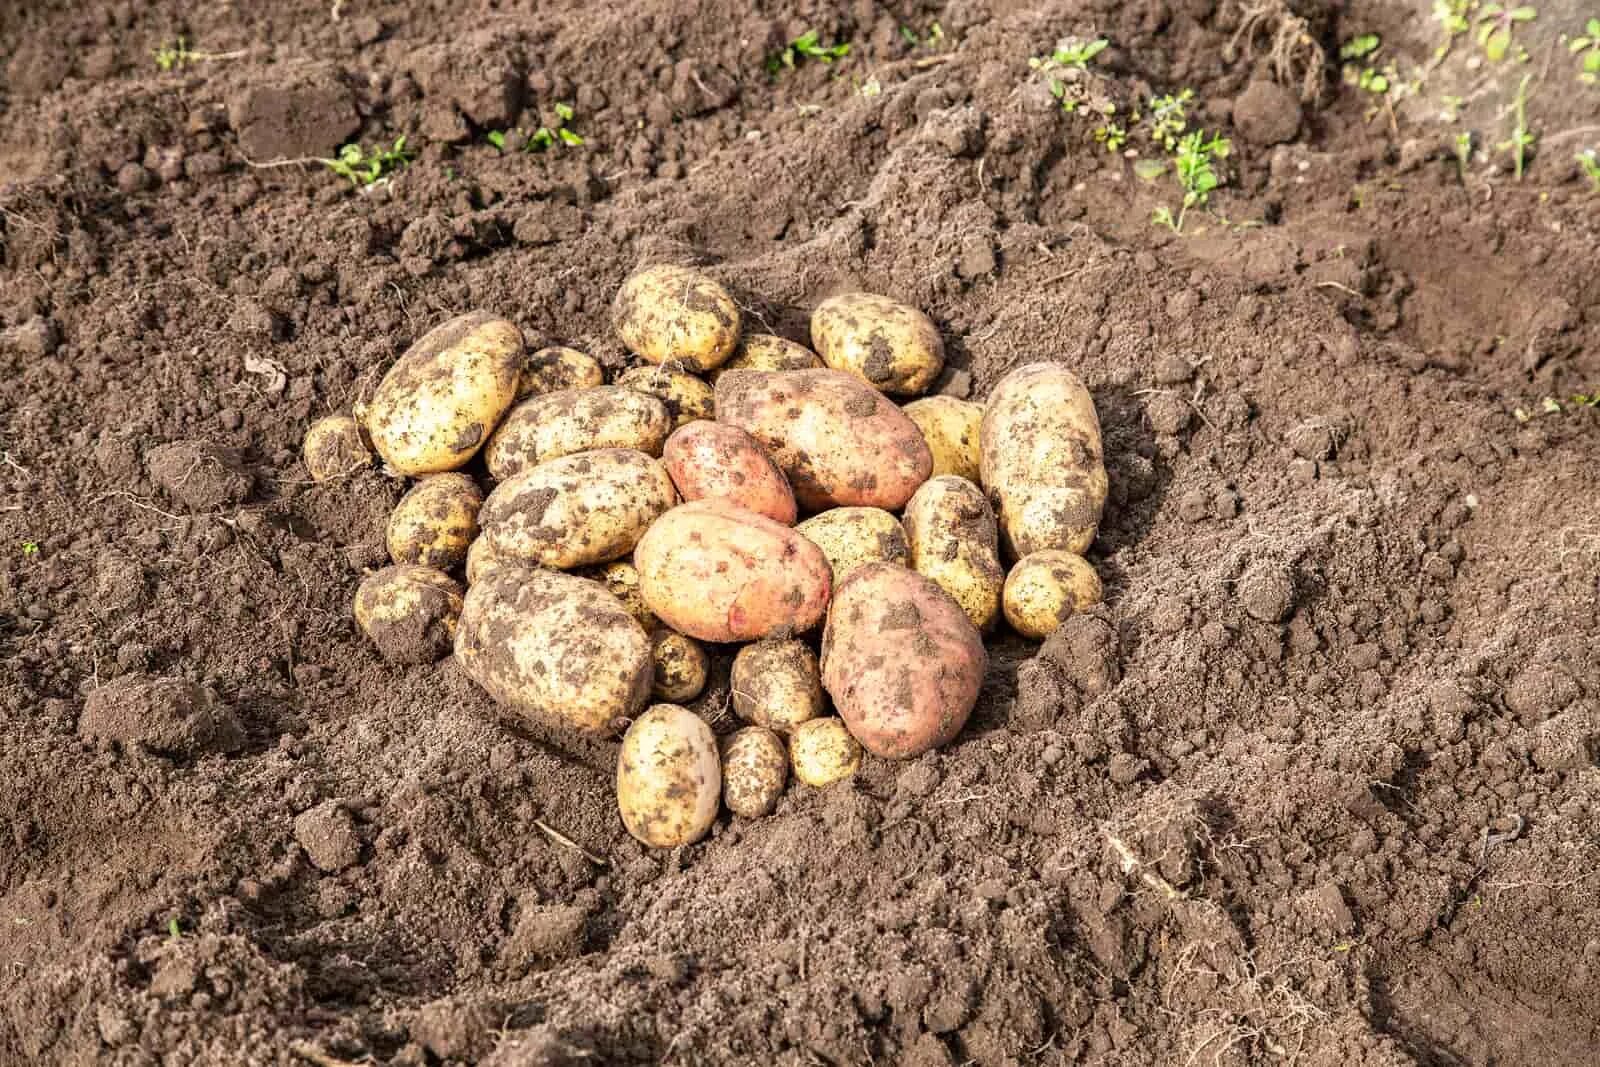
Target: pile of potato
(629,524)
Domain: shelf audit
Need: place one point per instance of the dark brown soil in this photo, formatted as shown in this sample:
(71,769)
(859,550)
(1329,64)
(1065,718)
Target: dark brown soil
(1316,785)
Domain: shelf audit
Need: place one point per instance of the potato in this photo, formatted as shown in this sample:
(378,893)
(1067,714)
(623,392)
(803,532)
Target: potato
(901,661)
(685,397)
(480,560)
(850,537)
(765,351)
(622,581)
(892,345)
(591,507)
(551,370)
(951,427)
(718,572)
(681,666)
(840,442)
(548,427)
(1046,588)
(554,648)
(333,448)
(435,523)
(669,777)
(712,461)
(670,314)
(409,612)
(1042,463)
(444,397)
(776,684)
(755,767)
(823,752)
(954,541)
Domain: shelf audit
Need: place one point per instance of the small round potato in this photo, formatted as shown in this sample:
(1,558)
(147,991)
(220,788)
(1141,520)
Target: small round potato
(776,684)
(685,397)
(755,768)
(333,448)
(766,351)
(547,427)
(850,537)
(1047,588)
(669,777)
(671,314)
(409,612)
(622,581)
(892,345)
(712,460)
(955,542)
(551,370)
(435,523)
(480,560)
(823,752)
(681,666)
(951,428)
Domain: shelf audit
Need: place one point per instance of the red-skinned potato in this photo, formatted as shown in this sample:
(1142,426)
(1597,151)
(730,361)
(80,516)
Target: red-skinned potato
(710,460)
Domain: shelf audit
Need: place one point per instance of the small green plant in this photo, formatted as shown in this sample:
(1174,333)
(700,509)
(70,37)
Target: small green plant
(1356,71)
(1075,53)
(30,549)
(1551,406)
(177,54)
(1071,54)
(1497,26)
(806,46)
(1588,46)
(174,931)
(363,169)
(1360,47)
(558,132)
(1169,118)
(932,39)
(1112,135)
(1197,175)
(1451,15)
(1589,160)
(1463,148)
(1522,140)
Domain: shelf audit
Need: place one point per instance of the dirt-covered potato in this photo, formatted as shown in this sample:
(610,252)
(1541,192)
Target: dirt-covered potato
(551,370)
(901,661)
(333,448)
(892,345)
(823,752)
(442,399)
(718,572)
(685,396)
(621,580)
(952,429)
(954,541)
(480,560)
(766,351)
(1042,463)
(409,612)
(547,427)
(587,508)
(710,460)
(435,523)
(840,442)
(850,537)
(1048,587)
(776,684)
(554,648)
(755,768)
(681,666)
(670,314)
(669,778)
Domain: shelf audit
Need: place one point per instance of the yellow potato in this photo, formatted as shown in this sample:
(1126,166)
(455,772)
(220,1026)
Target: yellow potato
(553,425)
(587,508)
(892,345)
(669,777)
(823,752)
(480,560)
(685,397)
(765,351)
(755,768)
(850,537)
(551,370)
(1046,588)
(681,666)
(673,314)
(954,541)
(442,399)
(333,448)
(409,612)
(621,580)
(776,684)
(952,429)
(435,523)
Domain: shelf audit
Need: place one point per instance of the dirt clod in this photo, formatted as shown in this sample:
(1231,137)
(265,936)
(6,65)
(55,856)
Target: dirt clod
(328,835)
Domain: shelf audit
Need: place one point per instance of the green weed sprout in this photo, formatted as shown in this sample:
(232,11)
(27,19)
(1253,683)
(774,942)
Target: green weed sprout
(1589,47)
(1463,148)
(177,54)
(1112,135)
(1169,118)
(932,39)
(1075,53)
(1358,73)
(805,46)
(1589,160)
(30,549)
(1451,15)
(1522,139)
(1497,25)
(1196,175)
(558,132)
(361,169)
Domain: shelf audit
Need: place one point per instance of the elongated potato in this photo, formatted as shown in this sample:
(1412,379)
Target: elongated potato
(548,427)
(685,397)
(710,460)
(901,661)
(776,684)
(555,648)
(409,612)
(551,370)
(952,429)
(954,541)
(717,572)
(669,777)
(1042,462)
(823,752)
(442,399)
(333,448)
(840,442)
(621,580)
(673,314)
(1048,587)
(755,766)
(681,666)
(435,523)
(889,344)
(587,508)
(850,537)
(766,351)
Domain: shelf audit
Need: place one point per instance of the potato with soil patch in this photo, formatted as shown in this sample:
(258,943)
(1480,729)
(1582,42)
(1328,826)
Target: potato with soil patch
(952,429)
(681,666)
(621,580)
(822,752)
(891,345)
(554,425)
(755,767)
(839,441)
(718,572)
(442,399)
(435,523)
(669,777)
(685,397)
(953,540)
(1047,588)
(669,314)
(765,351)
(852,537)
(713,461)
(333,448)
(550,370)
(480,560)
(901,660)
(776,684)
(409,612)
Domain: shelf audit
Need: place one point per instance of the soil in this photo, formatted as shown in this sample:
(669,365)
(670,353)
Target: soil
(1316,784)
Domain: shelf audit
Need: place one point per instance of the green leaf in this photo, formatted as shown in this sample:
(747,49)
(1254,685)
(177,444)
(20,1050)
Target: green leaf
(1524,14)
(1591,62)
(565,112)
(910,36)
(569,137)
(496,138)
(1592,27)
(1496,45)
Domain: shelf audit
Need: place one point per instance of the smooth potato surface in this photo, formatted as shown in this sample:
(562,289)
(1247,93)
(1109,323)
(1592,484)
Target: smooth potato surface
(669,777)
(1048,587)
(851,537)
(823,752)
(954,541)
(671,314)
(681,666)
(409,613)
(711,460)
(755,767)
(953,429)
(565,423)
(333,448)
(553,369)
(435,523)
(685,396)
(892,345)
(765,351)
(776,684)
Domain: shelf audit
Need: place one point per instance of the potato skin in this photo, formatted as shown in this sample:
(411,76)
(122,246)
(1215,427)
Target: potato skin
(840,442)
(755,768)
(681,666)
(543,428)
(1042,462)
(767,351)
(823,751)
(669,777)
(901,660)
(410,613)
(334,447)
(554,648)
(586,508)
(553,369)
(442,399)
(670,314)
(710,460)
(891,345)
(718,572)
(621,580)
(850,537)
(952,429)
(435,523)
(1048,587)
(776,684)
(954,541)
(685,397)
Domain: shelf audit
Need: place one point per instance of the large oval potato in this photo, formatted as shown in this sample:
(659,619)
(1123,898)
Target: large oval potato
(553,369)
(823,752)
(952,429)
(840,442)
(333,448)
(1048,587)
(547,427)
(850,537)
(435,523)
(891,345)
(670,314)
(669,777)
(776,684)
(591,507)
(766,351)
(755,766)
(954,541)
(711,460)
(901,660)
(444,397)
(409,612)
(554,647)
(685,396)
(1042,462)
(718,572)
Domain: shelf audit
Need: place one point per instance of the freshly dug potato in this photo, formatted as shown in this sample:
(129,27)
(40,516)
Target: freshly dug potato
(710,460)
(444,397)
(551,370)
(673,314)
(543,428)
(755,767)
(685,397)
(622,581)
(954,541)
(435,523)
(1042,463)
(892,345)
(823,752)
(1048,587)
(901,661)
(681,666)
(766,351)
(669,777)
(333,448)
(717,572)
(591,507)
(555,648)
(840,442)
(776,684)
(952,429)
(850,537)
(409,612)
(480,560)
